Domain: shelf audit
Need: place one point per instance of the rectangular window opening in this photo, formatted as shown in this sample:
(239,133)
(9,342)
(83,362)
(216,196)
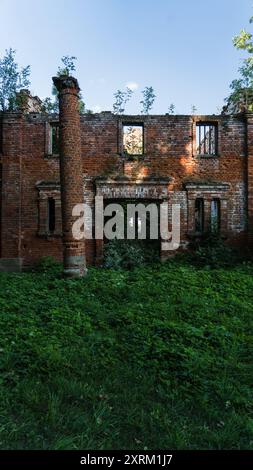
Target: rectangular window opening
(215,216)
(133,143)
(51,214)
(207,138)
(199,215)
(54,143)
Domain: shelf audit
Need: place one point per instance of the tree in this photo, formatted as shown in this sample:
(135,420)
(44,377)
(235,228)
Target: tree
(12,80)
(121,99)
(242,88)
(193,109)
(50,106)
(244,41)
(171,109)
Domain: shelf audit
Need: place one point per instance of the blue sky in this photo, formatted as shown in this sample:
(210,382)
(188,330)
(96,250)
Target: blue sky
(183,48)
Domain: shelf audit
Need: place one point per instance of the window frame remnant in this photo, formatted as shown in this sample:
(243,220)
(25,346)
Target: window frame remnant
(207,138)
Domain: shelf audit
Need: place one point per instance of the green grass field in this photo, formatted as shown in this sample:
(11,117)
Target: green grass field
(158,357)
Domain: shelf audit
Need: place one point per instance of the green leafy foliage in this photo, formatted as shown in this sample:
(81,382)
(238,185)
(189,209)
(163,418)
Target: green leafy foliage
(128,254)
(155,357)
(193,109)
(47,264)
(68,65)
(244,41)
(51,105)
(171,109)
(121,99)
(12,80)
(212,252)
(242,88)
(148,99)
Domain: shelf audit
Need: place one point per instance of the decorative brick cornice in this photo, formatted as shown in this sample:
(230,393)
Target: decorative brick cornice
(134,189)
(48,185)
(206,186)
(159,181)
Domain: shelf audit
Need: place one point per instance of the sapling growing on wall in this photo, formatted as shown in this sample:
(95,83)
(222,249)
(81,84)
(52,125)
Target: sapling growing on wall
(68,65)
(50,105)
(148,99)
(193,109)
(121,99)
(171,109)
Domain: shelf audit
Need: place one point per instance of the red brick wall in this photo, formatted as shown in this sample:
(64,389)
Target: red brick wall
(250,175)
(36,167)
(12,150)
(169,152)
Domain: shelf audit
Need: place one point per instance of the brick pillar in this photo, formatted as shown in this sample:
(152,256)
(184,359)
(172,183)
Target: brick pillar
(71,173)
(249,120)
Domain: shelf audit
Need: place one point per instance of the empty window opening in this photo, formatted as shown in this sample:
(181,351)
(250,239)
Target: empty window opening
(215,215)
(133,139)
(206,138)
(199,215)
(51,214)
(54,143)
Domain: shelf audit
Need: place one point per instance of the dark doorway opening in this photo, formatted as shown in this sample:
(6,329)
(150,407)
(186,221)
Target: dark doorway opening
(143,226)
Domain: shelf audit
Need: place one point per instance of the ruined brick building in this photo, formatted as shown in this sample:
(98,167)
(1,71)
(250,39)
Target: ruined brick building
(204,163)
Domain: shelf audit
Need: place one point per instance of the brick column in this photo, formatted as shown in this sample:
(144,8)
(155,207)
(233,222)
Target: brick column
(71,173)
(249,118)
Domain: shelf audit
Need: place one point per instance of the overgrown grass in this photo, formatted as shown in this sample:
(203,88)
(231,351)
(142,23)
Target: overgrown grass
(157,357)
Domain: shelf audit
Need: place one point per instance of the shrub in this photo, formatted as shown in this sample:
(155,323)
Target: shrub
(128,254)
(213,252)
(122,254)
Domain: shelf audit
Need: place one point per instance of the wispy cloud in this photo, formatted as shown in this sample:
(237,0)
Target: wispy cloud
(132,85)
